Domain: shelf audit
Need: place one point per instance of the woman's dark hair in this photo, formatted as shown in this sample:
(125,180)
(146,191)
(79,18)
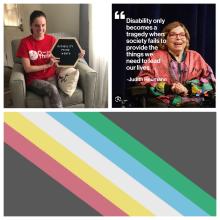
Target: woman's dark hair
(168,28)
(36,14)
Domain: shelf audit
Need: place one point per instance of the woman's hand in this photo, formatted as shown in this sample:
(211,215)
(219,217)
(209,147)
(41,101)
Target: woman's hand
(53,60)
(179,89)
(82,53)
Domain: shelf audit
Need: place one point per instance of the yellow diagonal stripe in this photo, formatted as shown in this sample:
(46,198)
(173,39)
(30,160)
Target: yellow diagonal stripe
(75,165)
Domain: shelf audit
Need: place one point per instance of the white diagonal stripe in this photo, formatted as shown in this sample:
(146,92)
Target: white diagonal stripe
(101,164)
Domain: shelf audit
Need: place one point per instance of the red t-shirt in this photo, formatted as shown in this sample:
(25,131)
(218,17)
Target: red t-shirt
(38,51)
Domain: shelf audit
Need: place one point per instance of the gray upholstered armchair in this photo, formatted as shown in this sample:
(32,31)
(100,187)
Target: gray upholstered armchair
(83,97)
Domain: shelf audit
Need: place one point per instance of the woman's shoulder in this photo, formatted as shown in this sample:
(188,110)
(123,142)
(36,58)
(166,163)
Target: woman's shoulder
(195,56)
(193,53)
(27,38)
(49,36)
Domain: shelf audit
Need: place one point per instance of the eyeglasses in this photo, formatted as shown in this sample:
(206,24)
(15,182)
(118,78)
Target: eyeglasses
(175,35)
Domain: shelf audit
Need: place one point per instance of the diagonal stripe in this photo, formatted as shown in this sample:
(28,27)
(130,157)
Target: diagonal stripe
(156,131)
(59,173)
(75,165)
(101,164)
(128,164)
(150,160)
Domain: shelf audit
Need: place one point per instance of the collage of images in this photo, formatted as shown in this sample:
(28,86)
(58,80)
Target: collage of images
(84,130)
(163,56)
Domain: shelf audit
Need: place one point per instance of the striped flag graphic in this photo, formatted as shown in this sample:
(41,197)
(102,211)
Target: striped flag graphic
(103,165)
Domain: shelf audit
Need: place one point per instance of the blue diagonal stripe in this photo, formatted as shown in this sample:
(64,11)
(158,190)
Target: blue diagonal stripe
(123,160)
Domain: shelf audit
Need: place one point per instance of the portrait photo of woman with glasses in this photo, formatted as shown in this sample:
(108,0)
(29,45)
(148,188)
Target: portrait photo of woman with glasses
(174,75)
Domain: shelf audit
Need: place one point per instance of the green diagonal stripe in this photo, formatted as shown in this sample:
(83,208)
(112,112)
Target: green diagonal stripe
(150,160)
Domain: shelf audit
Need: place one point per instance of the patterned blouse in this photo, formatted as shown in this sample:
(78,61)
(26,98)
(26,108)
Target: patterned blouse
(161,70)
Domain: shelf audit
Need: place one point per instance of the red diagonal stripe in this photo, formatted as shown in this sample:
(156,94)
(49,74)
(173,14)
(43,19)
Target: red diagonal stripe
(55,170)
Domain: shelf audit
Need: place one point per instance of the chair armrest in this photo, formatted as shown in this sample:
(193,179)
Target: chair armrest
(17,86)
(87,81)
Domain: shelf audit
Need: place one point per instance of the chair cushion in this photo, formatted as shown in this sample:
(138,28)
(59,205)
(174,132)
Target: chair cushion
(68,79)
(76,98)
(33,100)
(36,101)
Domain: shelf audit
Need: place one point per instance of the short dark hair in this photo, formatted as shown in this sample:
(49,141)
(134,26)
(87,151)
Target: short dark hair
(35,14)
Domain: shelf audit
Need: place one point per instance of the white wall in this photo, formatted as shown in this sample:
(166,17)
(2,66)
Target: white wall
(62,18)
(25,11)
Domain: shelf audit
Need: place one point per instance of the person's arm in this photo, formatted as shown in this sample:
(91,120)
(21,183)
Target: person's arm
(28,68)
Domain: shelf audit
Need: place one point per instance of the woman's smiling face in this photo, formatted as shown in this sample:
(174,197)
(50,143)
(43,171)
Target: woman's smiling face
(176,40)
(39,27)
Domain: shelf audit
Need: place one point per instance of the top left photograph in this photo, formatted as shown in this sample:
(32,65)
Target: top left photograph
(55,56)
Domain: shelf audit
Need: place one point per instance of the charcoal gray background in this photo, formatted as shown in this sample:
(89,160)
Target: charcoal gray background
(186,140)
(28,191)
